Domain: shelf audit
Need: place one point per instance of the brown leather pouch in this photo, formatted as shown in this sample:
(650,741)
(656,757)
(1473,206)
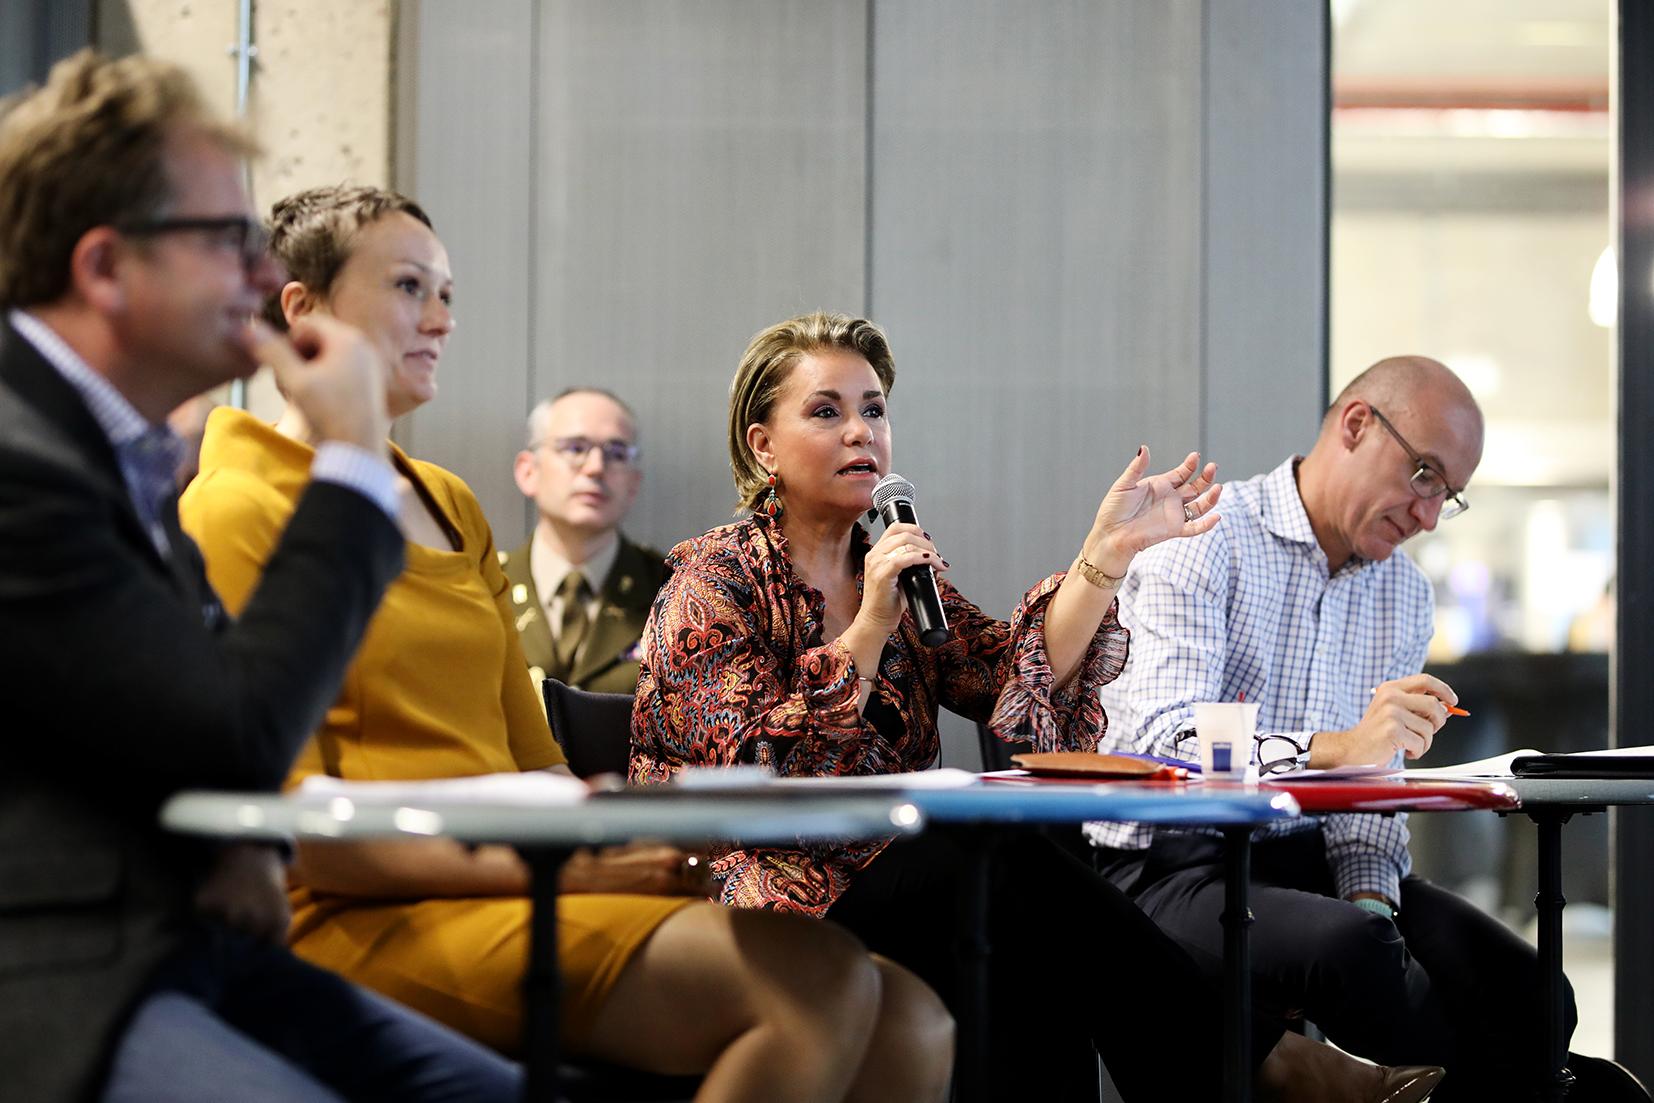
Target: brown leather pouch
(1086,764)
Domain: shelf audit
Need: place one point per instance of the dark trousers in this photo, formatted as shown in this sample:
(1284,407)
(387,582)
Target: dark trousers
(233,1018)
(1444,984)
(1076,969)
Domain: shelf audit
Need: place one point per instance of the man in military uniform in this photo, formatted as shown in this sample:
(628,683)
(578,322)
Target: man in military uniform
(582,590)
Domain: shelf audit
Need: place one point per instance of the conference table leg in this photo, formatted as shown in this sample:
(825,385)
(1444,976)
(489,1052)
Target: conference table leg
(1549,901)
(1237,965)
(972,1064)
(542,987)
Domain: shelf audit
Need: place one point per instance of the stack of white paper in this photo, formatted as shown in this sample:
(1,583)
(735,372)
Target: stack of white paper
(534,787)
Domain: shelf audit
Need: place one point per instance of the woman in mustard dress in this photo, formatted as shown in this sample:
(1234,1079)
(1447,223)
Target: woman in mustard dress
(768,1007)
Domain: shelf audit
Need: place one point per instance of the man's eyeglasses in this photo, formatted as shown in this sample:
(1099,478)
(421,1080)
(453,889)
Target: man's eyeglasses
(574,450)
(245,236)
(1427,482)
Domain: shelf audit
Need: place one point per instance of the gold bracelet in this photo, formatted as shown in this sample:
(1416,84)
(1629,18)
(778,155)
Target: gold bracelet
(1094,574)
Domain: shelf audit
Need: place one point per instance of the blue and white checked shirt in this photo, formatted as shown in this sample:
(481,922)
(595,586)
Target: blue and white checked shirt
(148,454)
(1249,608)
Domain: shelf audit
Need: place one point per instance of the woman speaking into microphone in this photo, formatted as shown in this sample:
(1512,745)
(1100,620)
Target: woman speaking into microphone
(782,640)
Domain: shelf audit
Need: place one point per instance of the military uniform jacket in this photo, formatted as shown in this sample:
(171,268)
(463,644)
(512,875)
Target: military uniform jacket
(607,660)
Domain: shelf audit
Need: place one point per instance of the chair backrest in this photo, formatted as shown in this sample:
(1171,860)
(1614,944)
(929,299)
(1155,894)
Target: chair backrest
(595,729)
(996,752)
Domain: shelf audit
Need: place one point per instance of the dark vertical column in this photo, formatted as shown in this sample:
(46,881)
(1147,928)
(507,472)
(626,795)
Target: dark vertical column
(35,33)
(1549,902)
(973,1068)
(1237,965)
(1633,891)
(543,984)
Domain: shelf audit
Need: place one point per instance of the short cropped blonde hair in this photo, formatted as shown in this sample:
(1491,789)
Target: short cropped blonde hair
(88,149)
(764,369)
(312,233)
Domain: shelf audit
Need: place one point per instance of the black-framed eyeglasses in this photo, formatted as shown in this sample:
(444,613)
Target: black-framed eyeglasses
(1427,481)
(574,450)
(1281,754)
(244,235)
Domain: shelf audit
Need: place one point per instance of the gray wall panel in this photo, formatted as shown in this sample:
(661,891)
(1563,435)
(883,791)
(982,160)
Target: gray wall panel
(1035,255)
(701,175)
(1266,218)
(1036,222)
(36,34)
(465,111)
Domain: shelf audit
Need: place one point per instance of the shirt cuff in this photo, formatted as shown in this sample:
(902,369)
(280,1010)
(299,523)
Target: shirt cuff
(357,469)
(832,689)
(1368,872)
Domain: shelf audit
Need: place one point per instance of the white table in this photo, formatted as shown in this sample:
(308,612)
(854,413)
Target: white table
(545,836)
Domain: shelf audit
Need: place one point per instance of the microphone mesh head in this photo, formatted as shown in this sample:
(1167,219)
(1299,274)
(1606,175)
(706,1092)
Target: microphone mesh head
(889,489)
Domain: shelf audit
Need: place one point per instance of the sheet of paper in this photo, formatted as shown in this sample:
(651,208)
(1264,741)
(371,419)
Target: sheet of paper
(1497,766)
(533,787)
(747,778)
(1335,773)
(948,777)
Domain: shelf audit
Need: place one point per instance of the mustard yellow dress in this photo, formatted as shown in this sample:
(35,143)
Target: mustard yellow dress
(439,688)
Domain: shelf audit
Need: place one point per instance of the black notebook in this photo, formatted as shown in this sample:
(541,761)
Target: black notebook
(1635,762)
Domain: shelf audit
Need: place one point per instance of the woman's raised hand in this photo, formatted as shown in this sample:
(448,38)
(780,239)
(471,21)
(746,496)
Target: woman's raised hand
(1139,511)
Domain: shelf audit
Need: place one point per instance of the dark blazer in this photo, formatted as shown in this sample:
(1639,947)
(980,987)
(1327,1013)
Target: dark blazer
(125,682)
(607,660)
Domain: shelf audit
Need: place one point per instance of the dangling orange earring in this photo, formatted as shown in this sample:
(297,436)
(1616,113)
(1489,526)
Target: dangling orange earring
(772,504)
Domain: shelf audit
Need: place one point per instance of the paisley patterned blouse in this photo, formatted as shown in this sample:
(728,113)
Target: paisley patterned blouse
(734,671)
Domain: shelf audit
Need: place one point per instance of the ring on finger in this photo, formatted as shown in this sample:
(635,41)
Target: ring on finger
(1189,513)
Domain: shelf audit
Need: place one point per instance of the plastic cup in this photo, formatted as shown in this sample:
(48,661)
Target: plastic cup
(1225,731)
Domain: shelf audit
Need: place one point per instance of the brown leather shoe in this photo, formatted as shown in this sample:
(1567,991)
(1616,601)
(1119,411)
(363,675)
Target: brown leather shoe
(1407,1083)
(1298,1070)
(1599,1080)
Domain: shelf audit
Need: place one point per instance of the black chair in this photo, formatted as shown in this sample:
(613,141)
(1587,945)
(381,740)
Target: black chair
(996,755)
(996,752)
(595,729)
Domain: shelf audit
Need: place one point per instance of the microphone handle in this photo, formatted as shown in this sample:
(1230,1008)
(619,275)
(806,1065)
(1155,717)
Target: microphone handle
(918,585)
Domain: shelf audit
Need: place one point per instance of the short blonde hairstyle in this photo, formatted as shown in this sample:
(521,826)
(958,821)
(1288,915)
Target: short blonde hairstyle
(88,149)
(765,367)
(313,232)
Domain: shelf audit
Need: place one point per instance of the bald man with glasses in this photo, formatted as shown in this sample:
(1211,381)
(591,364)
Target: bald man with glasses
(581,589)
(1300,600)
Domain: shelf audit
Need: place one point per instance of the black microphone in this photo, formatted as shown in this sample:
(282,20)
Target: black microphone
(893,498)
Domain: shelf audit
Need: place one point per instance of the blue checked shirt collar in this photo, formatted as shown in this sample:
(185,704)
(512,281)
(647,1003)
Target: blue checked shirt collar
(148,455)
(1281,511)
(1281,507)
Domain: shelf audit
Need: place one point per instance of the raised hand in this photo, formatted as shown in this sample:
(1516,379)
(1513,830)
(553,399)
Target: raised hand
(1139,511)
(332,374)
